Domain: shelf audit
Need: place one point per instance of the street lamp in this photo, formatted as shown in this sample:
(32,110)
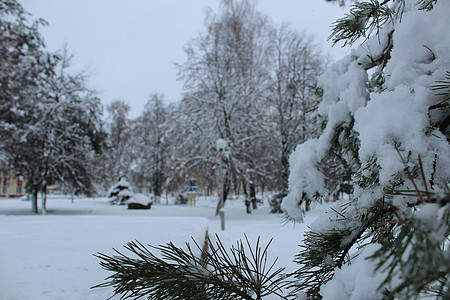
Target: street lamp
(222,147)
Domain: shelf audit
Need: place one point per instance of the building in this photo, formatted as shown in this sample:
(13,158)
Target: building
(12,185)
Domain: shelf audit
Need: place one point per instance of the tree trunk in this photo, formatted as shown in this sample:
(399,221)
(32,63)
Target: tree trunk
(262,191)
(252,189)
(34,199)
(44,199)
(247,198)
(226,188)
(284,171)
(156,186)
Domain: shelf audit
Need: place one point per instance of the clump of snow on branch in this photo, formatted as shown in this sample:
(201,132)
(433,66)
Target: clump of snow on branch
(396,116)
(355,282)
(400,113)
(344,92)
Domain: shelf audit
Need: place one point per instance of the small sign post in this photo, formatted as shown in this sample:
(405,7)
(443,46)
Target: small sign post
(192,189)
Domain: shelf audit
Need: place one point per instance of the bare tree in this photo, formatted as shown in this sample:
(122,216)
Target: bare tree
(118,155)
(151,144)
(292,92)
(224,83)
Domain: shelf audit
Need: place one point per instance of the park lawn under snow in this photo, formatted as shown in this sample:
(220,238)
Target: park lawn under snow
(51,256)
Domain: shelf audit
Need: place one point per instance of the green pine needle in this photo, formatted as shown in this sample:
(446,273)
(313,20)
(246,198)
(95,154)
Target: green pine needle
(364,18)
(243,272)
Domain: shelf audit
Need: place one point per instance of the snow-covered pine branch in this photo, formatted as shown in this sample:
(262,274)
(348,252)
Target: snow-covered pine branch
(390,121)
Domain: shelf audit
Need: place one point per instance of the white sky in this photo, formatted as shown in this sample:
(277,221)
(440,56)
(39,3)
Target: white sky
(130,47)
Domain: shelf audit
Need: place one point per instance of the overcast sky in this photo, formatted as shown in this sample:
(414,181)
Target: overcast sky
(130,47)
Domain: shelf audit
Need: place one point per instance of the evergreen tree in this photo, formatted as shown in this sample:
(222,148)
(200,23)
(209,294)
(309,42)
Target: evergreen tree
(120,192)
(243,272)
(23,66)
(390,142)
(50,121)
(64,132)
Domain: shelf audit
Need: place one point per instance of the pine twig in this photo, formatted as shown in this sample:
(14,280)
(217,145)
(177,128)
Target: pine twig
(410,176)
(400,219)
(217,273)
(424,180)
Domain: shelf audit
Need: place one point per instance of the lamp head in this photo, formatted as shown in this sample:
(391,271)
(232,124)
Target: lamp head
(221,145)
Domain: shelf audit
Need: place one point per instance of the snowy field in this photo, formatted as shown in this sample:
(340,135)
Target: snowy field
(51,256)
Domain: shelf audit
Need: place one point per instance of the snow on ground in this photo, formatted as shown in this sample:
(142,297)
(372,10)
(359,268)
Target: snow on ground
(51,256)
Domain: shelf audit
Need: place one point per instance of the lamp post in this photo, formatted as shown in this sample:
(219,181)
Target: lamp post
(222,147)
